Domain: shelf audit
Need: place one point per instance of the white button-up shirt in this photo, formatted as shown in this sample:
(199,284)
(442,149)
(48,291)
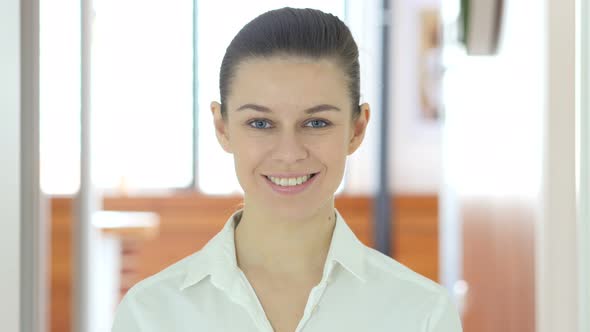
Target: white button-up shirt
(361,290)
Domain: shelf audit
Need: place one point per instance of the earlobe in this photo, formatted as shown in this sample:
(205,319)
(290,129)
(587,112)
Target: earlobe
(359,127)
(220,125)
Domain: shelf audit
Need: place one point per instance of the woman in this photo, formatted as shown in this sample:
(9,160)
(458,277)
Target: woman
(287,261)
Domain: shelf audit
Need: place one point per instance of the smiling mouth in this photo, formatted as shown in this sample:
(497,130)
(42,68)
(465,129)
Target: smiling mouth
(290,182)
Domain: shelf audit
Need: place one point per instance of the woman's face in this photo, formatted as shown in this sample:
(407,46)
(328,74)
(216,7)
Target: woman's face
(289,118)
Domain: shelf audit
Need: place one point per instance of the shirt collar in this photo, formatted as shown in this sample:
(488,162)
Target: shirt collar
(346,249)
(218,258)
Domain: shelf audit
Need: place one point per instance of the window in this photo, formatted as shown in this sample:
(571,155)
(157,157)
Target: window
(144,78)
(142,93)
(59,96)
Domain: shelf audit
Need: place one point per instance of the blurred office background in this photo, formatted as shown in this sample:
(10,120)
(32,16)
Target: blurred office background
(116,172)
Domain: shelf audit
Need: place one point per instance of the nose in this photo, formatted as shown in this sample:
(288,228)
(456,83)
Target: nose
(289,148)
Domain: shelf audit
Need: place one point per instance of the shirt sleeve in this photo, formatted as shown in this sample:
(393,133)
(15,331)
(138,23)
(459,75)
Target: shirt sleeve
(126,318)
(445,317)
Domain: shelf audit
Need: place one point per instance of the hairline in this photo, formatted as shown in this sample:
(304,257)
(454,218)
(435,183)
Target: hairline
(289,55)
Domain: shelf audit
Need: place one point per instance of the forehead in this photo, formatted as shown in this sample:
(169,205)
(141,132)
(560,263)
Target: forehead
(290,82)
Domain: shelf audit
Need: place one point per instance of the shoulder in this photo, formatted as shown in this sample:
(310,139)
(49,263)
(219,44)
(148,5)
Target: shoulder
(170,279)
(185,272)
(419,296)
(389,273)
(153,303)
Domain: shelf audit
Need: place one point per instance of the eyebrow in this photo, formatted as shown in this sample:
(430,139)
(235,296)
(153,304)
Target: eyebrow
(311,110)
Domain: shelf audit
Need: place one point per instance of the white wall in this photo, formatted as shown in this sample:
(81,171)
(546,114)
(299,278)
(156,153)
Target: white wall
(9,164)
(415,156)
(493,126)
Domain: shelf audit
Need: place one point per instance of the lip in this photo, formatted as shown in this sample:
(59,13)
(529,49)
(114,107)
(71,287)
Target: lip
(291,190)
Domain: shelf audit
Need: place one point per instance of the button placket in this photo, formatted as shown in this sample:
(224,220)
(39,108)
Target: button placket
(253,305)
(314,303)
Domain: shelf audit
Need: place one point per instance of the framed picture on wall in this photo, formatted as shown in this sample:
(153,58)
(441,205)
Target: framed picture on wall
(430,63)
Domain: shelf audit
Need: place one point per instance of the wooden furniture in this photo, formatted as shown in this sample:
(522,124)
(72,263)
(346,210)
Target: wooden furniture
(129,229)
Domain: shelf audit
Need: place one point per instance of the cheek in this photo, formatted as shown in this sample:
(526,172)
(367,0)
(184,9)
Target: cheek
(249,152)
(333,144)
(331,152)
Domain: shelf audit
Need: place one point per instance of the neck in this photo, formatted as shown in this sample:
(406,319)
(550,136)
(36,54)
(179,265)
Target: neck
(283,245)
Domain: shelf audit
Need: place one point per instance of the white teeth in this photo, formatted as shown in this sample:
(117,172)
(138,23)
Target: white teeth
(288,182)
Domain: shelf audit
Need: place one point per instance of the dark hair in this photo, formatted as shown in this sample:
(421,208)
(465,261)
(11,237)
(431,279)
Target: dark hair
(290,31)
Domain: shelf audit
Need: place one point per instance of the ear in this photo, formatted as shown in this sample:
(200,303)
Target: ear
(359,126)
(220,127)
